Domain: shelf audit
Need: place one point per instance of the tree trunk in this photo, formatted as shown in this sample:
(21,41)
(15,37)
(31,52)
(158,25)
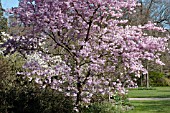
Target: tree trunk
(147,76)
(78,99)
(147,80)
(141,81)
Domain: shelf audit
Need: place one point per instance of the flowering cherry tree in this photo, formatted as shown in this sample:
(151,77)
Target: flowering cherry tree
(77,46)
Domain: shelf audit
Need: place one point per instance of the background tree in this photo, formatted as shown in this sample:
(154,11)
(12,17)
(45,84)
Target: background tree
(3,20)
(157,12)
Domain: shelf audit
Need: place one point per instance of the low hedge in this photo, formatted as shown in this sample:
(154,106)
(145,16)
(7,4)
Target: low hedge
(34,100)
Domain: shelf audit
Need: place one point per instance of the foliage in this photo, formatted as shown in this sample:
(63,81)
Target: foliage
(117,104)
(9,66)
(5,71)
(114,106)
(158,79)
(27,98)
(3,20)
(103,107)
(19,95)
(120,99)
(165,81)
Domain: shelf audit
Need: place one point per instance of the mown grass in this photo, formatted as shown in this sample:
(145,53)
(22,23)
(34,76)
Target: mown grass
(157,92)
(150,106)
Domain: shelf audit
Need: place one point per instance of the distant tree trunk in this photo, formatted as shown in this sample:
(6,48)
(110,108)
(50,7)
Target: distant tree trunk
(147,76)
(141,81)
(161,69)
(147,80)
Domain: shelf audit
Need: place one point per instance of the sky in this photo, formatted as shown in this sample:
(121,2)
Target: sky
(9,3)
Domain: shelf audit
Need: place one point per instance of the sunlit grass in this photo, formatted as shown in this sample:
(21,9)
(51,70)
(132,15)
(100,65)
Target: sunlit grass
(157,92)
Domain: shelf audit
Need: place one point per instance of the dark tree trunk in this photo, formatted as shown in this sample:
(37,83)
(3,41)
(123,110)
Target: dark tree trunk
(147,76)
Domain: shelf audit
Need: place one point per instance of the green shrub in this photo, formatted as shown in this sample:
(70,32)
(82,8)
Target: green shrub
(98,97)
(117,104)
(165,81)
(121,100)
(34,100)
(9,66)
(158,79)
(103,107)
(5,72)
(19,95)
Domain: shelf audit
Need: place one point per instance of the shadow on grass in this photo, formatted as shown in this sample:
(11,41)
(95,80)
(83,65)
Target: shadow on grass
(163,91)
(163,96)
(151,107)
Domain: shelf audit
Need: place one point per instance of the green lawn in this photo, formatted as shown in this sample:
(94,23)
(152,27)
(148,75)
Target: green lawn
(159,92)
(150,107)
